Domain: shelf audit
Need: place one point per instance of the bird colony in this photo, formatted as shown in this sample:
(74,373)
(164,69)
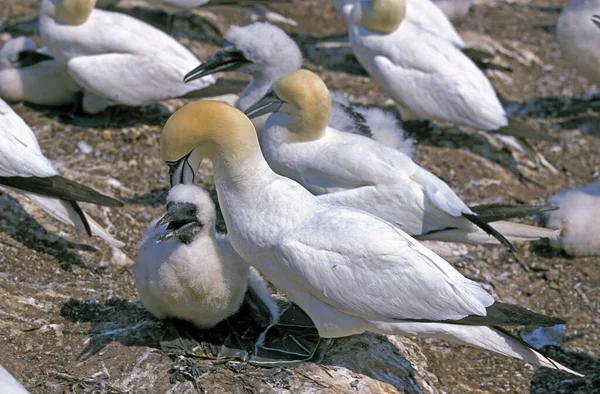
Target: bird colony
(337,222)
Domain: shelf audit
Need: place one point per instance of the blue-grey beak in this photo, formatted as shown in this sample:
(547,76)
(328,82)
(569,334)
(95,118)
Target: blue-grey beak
(268,104)
(181,172)
(229,58)
(182,223)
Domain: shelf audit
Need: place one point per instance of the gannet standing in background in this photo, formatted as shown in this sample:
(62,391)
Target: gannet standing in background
(25,169)
(454,9)
(9,384)
(350,271)
(116,56)
(577,220)
(428,77)
(186,270)
(358,172)
(267,53)
(578,38)
(31,75)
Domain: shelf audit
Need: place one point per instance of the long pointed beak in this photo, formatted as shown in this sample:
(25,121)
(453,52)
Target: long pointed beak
(182,222)
(229,58)
(596,20)
(181,172)
(268,104)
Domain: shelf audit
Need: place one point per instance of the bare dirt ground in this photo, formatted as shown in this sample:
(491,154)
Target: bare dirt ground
(70,320)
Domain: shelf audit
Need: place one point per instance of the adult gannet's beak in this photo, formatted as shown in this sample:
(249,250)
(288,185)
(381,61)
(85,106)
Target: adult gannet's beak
(268,104)
(596,20)
(181,171)
(182,222)
(229,58)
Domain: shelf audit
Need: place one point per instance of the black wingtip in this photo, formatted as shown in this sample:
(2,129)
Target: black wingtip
(476,220)
(494,212)
(520,129)
(60,187)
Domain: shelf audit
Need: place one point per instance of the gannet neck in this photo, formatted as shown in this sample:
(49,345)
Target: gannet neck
(69,12)
(310,104)
(220,132)
(380,16)
(258,87)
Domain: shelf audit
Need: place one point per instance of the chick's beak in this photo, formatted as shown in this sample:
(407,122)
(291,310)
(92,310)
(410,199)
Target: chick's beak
(229,58)
(268,104)
(182,223)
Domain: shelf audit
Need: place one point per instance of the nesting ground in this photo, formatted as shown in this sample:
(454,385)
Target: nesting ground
(70,320)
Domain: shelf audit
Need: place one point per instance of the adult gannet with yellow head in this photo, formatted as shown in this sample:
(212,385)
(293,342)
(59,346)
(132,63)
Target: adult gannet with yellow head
(428,77)
(356,171)
(115,56)
(348,270)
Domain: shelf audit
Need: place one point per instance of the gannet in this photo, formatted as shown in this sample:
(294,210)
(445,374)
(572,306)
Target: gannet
(577,220)
(429,78)
(350,271)
(116,56)
(25,169)
(186,270)
(31,75)
(355,171)
(578,38)
(454,9)
(596,20)
(9,384)
(267,53)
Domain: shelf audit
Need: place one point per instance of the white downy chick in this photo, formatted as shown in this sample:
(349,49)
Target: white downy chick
(186,270)
(577,220)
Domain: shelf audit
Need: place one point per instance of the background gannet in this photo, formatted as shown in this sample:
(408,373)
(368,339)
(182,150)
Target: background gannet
(186,270)
(578,38)
(428,77)
(577,220)
(355,171)
(28,74)
(25,169)
(9,384)
(115,56)
(454,9)
(348,270)
(267,53)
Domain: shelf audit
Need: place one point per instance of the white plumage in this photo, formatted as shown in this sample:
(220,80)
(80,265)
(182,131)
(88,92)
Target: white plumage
(355,171)
(578,38)
(267,53)
(348,270)
(116,56)
(9,384)
(203,281)
(454,9)
(42,82)
(577,220)
(21,157)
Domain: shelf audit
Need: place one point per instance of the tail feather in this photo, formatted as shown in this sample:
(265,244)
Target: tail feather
(514,232)
(494,212)
(66,213)
(483,60)
(476,220)
(493,339)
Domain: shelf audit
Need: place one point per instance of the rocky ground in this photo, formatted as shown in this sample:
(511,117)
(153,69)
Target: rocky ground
(70,320)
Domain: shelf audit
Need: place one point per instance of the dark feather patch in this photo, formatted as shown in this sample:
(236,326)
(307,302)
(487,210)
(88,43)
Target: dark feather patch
(476,220)
(494,212)
(59,187)
(502,314)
